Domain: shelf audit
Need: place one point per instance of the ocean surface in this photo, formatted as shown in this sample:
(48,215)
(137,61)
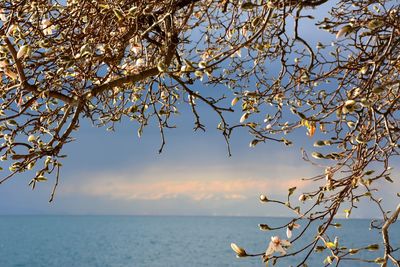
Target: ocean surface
(155,241)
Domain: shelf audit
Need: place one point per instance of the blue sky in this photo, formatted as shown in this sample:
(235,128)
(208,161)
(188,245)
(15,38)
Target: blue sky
(118,173)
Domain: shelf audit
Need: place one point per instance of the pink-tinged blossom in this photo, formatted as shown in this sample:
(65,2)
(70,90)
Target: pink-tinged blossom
(277,245)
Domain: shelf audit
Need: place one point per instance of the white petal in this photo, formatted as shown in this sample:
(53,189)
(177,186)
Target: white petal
(286,243)
(238,250)
(288,233)
(244,117)
(275,239)
(280,249)
(270,250)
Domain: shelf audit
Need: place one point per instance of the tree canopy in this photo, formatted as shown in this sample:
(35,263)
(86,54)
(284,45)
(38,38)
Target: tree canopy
(62,62)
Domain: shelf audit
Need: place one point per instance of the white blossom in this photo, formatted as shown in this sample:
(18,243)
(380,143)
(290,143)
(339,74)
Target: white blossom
(47,27)
(277,245)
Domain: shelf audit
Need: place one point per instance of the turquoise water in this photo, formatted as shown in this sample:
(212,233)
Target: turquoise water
(150,240)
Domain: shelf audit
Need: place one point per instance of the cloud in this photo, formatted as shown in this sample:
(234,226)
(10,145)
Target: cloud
(233,182)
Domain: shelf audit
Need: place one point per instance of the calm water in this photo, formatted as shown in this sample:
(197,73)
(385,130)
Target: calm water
(148,241)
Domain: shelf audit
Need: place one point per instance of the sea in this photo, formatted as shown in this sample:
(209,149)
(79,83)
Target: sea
(162,241)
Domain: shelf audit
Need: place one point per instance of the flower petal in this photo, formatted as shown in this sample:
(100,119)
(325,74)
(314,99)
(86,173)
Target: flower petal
(275,239)
(244,117)
(286,243)
(288,233)
(240,252)
(280,249)
(270,250)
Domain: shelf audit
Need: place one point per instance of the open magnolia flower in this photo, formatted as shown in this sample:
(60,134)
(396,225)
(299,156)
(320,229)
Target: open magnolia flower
(277,245)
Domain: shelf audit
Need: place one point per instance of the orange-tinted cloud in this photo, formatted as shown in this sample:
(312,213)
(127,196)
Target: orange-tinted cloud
(194,182)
